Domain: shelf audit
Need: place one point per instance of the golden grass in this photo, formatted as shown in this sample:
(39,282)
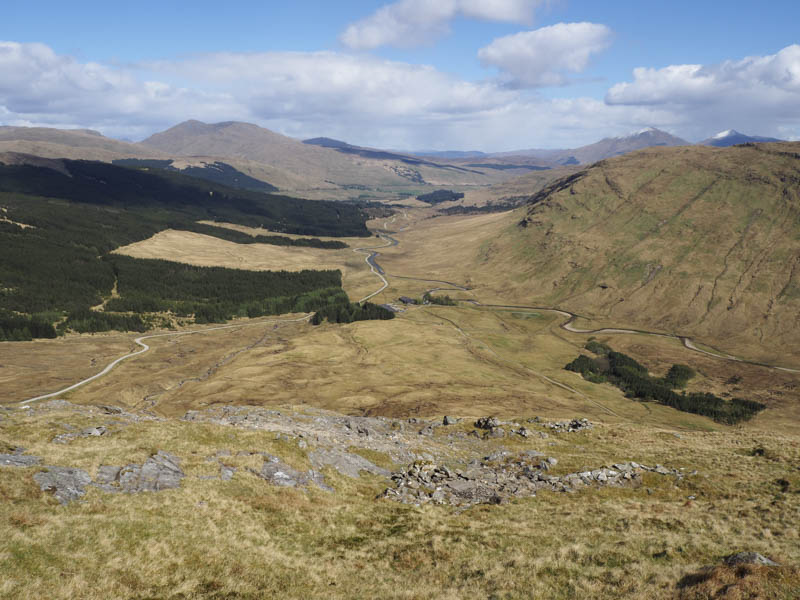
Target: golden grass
(247,539)
(30,368)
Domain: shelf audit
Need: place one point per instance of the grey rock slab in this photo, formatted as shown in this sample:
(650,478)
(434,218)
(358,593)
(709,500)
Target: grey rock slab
(495,432)
(65,483)
(94,431)
(279,473)
(107,475)
(17,460)
(346,463)
(749,558)
(159,472)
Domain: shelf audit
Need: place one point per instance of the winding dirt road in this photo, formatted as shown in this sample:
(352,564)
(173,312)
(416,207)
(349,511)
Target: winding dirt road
(145,347)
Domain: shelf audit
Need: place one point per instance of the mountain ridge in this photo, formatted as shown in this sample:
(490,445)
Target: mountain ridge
(731,137)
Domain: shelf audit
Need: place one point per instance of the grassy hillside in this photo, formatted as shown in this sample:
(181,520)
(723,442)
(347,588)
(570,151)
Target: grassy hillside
(697,241)
(69,143)
(227,532)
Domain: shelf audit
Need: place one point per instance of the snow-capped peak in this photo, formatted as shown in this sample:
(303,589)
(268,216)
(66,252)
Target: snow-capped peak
(724,134)
(633,134)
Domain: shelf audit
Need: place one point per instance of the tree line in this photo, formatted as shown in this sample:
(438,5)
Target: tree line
(348,312)
(53,271)
(240,237)
(634,380)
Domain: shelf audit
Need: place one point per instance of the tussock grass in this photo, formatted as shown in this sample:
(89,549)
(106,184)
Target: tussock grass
(247,539)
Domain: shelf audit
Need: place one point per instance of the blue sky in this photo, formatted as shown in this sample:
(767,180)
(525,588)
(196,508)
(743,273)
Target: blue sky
(444,74)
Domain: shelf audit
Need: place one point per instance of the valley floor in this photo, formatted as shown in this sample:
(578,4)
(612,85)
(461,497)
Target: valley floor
(246,538)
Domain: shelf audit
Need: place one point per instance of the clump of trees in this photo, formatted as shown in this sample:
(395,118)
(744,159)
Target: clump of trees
(348,312)
(441,300)
(440,196)
(633,378)
(21,328)
(85,320)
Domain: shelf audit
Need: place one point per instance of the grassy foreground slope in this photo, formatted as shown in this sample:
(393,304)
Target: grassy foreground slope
(697,241)
(245,538)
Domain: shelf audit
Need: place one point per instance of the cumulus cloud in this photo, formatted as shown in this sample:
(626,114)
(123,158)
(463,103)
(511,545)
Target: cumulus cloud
(540,57)
(757,94)
(321,84)
(42,87)
(361,99)
(410,23)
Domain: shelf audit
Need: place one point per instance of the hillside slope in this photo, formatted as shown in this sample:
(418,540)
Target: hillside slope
(698,241)
(69,143)
(313,166)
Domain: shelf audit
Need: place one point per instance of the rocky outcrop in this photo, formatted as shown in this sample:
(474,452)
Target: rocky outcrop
(161,471)
(496,479)
(749,558)
(280,474)
(487,423)
(65,483)
(569,426)
(66,438)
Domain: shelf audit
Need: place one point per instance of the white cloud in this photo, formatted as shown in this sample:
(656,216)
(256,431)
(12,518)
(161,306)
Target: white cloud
(410,23)
(42,87)
(757,95)
(308,84)
(540,57)
(360,99)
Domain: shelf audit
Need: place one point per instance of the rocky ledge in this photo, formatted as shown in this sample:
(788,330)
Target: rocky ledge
(439,471)
(496,479)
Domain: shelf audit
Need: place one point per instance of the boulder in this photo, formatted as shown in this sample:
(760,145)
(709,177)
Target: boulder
(495,432)
(487,423)
(749,558)
(161,471)
(65,483)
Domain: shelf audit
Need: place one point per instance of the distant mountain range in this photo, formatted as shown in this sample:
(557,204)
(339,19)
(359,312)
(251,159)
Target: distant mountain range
(731,137)
(324,168)
(606,148)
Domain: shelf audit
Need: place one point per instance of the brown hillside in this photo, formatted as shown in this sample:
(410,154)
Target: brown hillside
(697,241)
(311,167)
(69,143)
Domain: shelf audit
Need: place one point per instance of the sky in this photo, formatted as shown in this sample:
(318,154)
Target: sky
(490,75)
